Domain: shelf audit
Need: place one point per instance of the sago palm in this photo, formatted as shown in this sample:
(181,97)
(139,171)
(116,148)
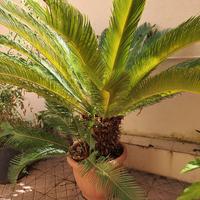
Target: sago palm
(54,52)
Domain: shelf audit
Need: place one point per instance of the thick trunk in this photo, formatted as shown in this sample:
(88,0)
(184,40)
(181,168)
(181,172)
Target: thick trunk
(107,135)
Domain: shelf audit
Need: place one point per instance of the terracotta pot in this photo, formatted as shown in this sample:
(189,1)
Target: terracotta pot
(87,188)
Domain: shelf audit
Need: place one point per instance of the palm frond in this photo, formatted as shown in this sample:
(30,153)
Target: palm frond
(101,37)
(192,63)
(36,9)
(33,56)
(119,90)
(20,162)
(150,101)
(144,36)
(174,39)
(24,137)
(117,41)
(55,116)
(120,85)
(64,120)
(180,78)
(115,180)
(18,72)
(43,39)
(77,32)
(192,165)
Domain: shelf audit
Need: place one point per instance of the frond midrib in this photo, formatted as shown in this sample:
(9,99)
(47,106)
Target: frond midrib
(38,138)
(105,173)
(35,83)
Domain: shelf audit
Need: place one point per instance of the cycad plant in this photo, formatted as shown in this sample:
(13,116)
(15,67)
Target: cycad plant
(54,52)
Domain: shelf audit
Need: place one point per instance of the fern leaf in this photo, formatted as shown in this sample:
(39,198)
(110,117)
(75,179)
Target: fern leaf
(174,39)
(20,73)
(115,180)
(145,35)
(20,162)
(78,33)
(116,44)
(26,138)
(46,41)
(183,77)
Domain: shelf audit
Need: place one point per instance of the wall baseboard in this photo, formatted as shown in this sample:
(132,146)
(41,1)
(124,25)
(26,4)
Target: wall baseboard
(162,157)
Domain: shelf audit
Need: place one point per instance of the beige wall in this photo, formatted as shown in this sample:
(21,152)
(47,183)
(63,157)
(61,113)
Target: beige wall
(176,117)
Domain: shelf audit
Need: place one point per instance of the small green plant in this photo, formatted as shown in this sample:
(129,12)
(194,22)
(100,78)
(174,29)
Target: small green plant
(47,138)
(11,103)
(96,82)
(193,191)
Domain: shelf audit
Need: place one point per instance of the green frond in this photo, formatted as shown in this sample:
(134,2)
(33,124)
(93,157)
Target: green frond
(25,138)
(115,180)
(18,72)
(171,41)
(144,36)
(117,41)
(101,37)
(22,52)
(82,41)
(191,193)
(192,165)
(63,120)
(116,44)
(55,116)
(118,92)
(36,9)
(20,162)
(44,40)
(150,101)
(8,42)
(192,63)
(77,32)
(33,56)
(184,77)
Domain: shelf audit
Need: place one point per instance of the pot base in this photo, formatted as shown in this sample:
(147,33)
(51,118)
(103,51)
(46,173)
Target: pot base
(96,198)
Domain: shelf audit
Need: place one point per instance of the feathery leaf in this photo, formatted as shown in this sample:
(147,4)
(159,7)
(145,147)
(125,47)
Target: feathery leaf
(114,179)
(20,162)
(171,41)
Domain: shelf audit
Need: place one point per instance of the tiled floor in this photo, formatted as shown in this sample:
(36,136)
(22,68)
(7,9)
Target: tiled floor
(53,180)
